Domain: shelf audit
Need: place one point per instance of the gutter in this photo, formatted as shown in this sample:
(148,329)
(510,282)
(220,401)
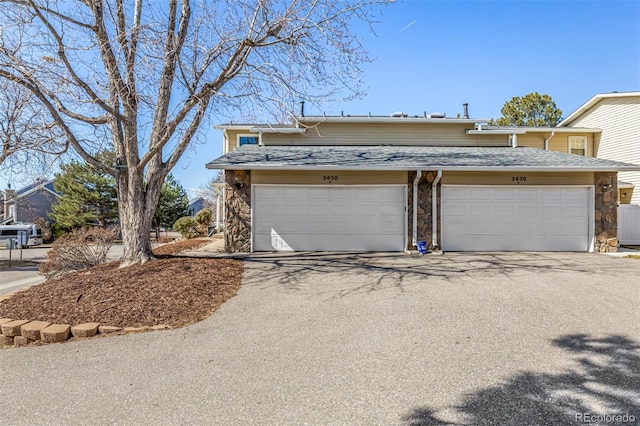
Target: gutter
(546,140)
(504,168)
(415,207)
(434,211)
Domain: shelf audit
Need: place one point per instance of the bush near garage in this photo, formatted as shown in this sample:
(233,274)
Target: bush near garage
(191,227)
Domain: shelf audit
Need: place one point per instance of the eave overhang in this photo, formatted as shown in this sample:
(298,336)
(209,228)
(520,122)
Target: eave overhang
(406,158)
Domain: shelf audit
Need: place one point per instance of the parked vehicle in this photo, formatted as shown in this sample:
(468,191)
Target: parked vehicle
(24,234)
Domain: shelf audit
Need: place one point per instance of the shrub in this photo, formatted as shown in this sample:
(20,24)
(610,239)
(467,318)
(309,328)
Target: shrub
(77,250)
(203,220)
(203,217)
(186,226)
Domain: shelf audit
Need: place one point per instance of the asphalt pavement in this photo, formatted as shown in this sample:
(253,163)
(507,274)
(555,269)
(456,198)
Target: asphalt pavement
(483,339)
(16,278)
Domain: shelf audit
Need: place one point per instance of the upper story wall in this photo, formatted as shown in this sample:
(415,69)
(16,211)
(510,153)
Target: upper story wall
(402,132)
(619,119)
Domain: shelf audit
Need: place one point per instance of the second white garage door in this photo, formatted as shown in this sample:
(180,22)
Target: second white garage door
(329,218)
(516,219)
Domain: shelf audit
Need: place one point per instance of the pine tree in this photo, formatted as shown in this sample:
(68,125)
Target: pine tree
(87,197)
(532,110)
(173,204)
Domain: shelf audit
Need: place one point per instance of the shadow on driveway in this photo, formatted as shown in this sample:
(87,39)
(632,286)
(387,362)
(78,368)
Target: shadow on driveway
(387,270)
(607,382)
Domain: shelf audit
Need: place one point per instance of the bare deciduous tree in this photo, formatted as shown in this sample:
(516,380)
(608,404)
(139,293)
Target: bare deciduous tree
(148,75)
(29,140)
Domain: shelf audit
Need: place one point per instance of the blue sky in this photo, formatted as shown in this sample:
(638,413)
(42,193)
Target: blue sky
(434,56)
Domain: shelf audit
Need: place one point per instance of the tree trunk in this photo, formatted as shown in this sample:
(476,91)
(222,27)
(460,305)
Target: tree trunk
(136,207)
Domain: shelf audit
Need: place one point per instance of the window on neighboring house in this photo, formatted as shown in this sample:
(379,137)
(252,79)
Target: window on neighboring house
(247,140)
(578,145)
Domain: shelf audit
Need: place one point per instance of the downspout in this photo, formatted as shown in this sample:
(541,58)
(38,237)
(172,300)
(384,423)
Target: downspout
(434,210)
(415,207)
(546,140)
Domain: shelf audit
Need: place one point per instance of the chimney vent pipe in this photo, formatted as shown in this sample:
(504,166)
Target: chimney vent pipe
(465,108)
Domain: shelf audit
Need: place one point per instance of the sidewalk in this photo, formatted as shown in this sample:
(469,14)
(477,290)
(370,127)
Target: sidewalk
(622,252)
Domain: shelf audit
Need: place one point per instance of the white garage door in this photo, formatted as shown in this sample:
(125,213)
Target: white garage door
(329,218)
(514,219)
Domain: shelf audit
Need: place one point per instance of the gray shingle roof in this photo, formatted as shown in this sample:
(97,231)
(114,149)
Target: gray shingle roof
(394,157)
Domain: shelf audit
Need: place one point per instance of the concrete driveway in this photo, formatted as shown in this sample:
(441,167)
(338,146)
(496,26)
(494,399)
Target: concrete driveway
(490,339)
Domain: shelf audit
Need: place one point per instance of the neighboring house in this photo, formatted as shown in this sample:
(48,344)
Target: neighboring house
(367,183)
(28,203)
(195,205)
(618,116)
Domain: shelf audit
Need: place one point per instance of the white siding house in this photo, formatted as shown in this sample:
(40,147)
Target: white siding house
(618,115)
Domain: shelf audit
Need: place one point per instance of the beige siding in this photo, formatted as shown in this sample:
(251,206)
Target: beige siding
(427,134)
(327,178)
(532,140)
(232,138)
(560,142)
(625,195)
(516,178)
(619,119)
(434,134)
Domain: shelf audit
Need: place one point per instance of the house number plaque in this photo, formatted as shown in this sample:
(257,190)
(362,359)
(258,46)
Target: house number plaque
(518,179)
(330,178)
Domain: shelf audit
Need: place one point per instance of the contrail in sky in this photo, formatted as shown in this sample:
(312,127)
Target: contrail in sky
(410,24)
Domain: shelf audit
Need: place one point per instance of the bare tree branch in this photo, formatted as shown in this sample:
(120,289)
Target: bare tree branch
(149,76)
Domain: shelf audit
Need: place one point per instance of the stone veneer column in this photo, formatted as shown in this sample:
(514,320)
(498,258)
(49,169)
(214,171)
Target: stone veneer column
(237,229)
(606,212)
(424,207)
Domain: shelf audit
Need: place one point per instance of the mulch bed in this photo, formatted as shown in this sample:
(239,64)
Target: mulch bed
(170,290)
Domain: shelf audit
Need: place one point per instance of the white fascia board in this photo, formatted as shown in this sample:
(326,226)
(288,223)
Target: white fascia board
(380,119)
(34,189)
(431,167)
(565,130)
(286,130)
(524,130)
(591,102)
(496,132)
(245,127)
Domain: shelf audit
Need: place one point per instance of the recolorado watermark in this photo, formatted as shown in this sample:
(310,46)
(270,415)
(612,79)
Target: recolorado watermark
(620,418)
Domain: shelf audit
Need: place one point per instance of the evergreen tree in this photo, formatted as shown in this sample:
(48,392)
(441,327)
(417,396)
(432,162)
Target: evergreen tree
(87,196)
(173,204)
(533,110)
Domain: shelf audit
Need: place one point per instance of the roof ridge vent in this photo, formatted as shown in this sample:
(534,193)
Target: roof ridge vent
(399,114)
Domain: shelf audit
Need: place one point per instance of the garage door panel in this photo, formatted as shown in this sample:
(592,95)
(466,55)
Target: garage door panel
(454,209)
(504,195)
(518,219)
(527,195)
(551,211)
(526,210)
(551,195)
(573,211)
(479,210)
(342,218)
(503,210)
(454,194)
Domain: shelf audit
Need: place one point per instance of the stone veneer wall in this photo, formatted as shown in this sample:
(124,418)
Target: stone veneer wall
(606,212)
(424,208)
(237,225)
